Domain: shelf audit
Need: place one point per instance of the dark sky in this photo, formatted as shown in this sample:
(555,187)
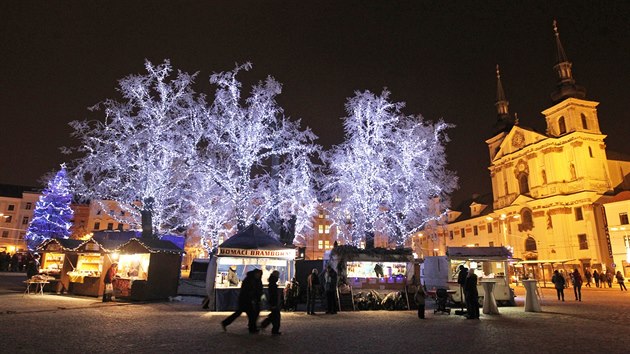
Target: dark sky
(57,58)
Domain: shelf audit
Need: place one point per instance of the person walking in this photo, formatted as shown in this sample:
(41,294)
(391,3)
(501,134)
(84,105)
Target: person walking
(621,281)
(248,301)
(312,288)
(577,285)
(596,278)
(472,296)
(461,280)
(588,277)
(331,290)
(274,305)
(108,292)
(609,278)
(419,299)
(558,282)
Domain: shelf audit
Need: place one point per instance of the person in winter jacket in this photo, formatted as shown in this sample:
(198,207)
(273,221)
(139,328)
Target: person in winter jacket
(420,298)
(558,281)
(274,305)
(577,285)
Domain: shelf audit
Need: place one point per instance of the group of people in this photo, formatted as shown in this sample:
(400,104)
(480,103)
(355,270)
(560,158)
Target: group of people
(15,262)
(249,301)
(560,283)
(467,280)
(330,281)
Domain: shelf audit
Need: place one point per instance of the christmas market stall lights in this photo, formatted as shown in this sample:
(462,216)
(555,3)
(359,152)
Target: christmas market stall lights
(489,263)
(247,250)
(93,259)
(382,273)
(57,259)
(148,269)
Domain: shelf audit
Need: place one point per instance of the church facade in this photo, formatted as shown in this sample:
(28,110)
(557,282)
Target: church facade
(549,190)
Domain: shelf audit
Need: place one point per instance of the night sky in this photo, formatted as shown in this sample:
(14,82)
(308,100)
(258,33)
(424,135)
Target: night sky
(58,58)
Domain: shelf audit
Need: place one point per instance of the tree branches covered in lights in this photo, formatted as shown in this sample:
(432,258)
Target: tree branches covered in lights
(52,216)
(386,172)
(139,155)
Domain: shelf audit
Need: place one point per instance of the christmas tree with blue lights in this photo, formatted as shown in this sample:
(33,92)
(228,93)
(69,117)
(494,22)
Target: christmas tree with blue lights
(52,215)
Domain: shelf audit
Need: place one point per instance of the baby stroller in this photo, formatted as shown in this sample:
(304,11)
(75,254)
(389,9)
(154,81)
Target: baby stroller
(441,297)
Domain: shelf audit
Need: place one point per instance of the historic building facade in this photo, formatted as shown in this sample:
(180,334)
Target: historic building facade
(546,188)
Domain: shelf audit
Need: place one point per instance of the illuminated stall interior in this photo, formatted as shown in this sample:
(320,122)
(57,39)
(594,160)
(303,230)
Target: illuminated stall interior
(244,265)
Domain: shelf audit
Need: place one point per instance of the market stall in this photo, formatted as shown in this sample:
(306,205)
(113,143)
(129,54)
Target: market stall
(148,269)
(383,273)
(58,258)
(93,258)
(247,250)
(489,263)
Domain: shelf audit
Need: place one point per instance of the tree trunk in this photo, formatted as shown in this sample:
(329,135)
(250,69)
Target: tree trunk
(147,218)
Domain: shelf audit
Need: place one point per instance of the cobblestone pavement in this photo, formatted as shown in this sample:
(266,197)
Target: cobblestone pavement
(66,324)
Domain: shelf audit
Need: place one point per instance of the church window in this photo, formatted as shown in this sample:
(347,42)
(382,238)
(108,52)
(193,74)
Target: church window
(583,241)
(590,152)
(562,126)
(463,232)
(584,121)
(530,244)
(489,227)
(450,234)
(578,214)
(475,230)
(523,183)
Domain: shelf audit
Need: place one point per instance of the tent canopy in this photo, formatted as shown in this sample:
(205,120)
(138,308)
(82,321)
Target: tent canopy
(253,238)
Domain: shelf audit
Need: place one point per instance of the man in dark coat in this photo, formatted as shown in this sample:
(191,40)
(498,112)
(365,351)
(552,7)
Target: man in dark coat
(331,290)
(472,296)
(274,305)
(248,301)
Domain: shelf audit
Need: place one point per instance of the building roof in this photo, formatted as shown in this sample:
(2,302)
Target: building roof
(464,207)
(13,191)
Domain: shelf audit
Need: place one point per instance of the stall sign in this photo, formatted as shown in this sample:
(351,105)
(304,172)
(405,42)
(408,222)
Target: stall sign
(289,253)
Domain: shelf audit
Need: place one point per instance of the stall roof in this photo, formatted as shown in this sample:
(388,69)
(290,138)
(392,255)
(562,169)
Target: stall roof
(253,238)
(498,253)
(65,243)
(153,245)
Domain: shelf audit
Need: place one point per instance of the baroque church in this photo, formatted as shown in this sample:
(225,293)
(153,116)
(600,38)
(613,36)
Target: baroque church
(548,189)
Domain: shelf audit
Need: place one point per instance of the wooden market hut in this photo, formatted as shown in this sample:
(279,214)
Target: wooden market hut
(148,269)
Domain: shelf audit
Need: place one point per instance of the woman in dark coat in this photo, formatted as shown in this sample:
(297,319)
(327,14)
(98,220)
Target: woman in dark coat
(248,301)
(472,296)
(274,305)
(558,282)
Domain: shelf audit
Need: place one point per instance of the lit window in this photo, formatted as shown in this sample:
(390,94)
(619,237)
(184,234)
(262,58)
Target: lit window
(327,244)
(321,229)
(327,229)
(321,215)
(320,244)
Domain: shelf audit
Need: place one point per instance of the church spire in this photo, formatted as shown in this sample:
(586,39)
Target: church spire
(504,122)
(501,103)
(566,86)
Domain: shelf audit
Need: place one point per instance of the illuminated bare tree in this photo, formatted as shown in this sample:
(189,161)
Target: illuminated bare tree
(388,169)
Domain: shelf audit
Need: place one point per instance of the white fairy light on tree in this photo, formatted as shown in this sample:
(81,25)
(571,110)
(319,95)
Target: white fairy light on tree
(139,154)
(387,170)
